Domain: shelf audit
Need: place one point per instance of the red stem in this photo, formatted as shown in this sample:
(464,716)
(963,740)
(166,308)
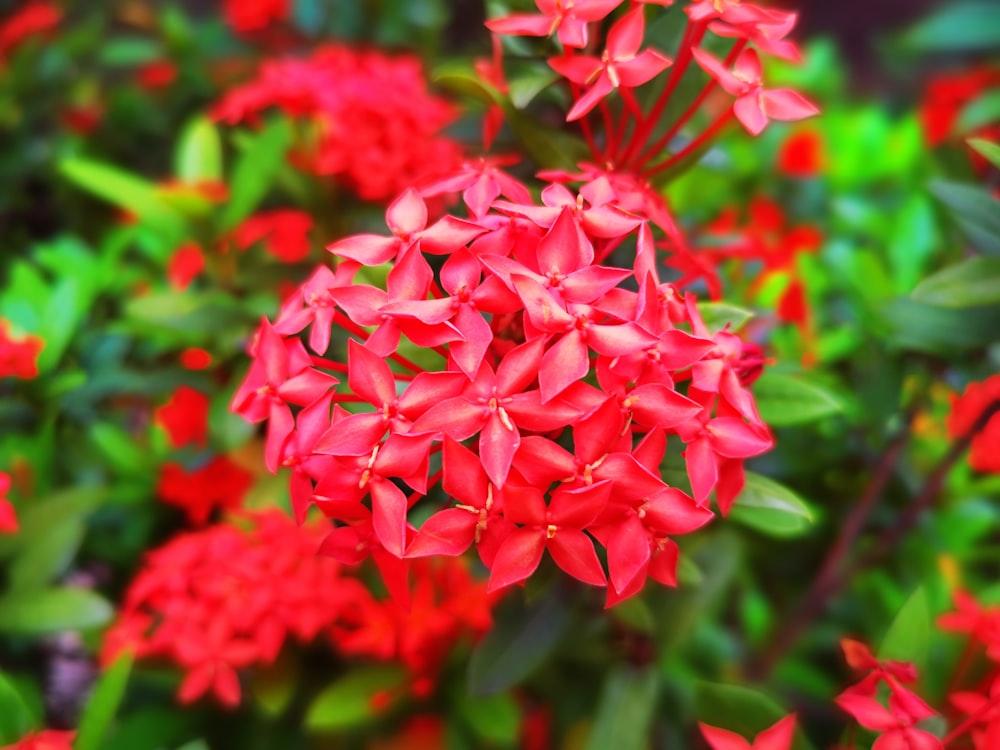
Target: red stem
(689,112)
(694,145)
(693,33)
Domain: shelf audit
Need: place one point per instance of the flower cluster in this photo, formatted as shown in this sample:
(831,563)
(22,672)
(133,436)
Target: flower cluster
(562,382)
(966,410)
(255,15)
(372,122)
(896,720)
(226,598)
(18,355)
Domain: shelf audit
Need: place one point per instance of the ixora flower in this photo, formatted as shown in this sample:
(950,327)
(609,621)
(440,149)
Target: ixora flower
(8,518)
(779,736)
(531,349)
(230,596)
(377,129)
(966,410)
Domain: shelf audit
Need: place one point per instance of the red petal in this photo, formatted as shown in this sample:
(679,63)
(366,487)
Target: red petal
(573,551)
(628,552)
(517,558)
(723,739)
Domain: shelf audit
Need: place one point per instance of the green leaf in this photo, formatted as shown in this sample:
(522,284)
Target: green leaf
(16,719)
(550,147)
(255,172)
(273,685)
(103,704)
(912,242)
(771,508)
(740,709)
(47,558)
(523,636)
(199,153)
(908,638)
(971,283)
(940,330)
(957,27)
(785,400)
(625,710)
(990,151)
(347,702)
(37,520)
(717,315)
(127,191)
(495,719)
(975,211)
(524,88)
(462,79)
(52,610)
(980,112)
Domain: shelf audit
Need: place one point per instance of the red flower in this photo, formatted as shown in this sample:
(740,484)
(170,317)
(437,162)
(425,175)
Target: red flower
(284,233)
(779,736)
(184,417)
(30,19)
(18,356)
(755,106)
(966,410)
(47,739)
(195,359)
(802,154)
(946,97)
(156,75)
(8,518)
(567,17)
(218,484)
(254,15)
(185,265)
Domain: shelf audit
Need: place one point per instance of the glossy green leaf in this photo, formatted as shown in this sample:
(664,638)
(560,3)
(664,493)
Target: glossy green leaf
(16,719)
(975,211)
(785,400)
(523,636)
(255,172)
(957,27)
(102,705)
(940,330)
(717,315)
(971,283)
(199,152)
(126,191)
(908,638)
(990,151)
(52,610)
(524,88)
(347,702)
(462,79)
(771,508)
(495,719)
(625,710)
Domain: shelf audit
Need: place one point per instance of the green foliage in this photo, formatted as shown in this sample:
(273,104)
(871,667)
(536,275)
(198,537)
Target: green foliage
(104,701)
(349,702)
(771,508)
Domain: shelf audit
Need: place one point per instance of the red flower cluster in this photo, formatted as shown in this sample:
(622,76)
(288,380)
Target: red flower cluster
(219,484)
(965,412)
(184,417)
(378,129)
(979,706)
(766,239)
(35,17)
(47,739)
(225,598)
(555,390)
(18,356)
(896,722)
